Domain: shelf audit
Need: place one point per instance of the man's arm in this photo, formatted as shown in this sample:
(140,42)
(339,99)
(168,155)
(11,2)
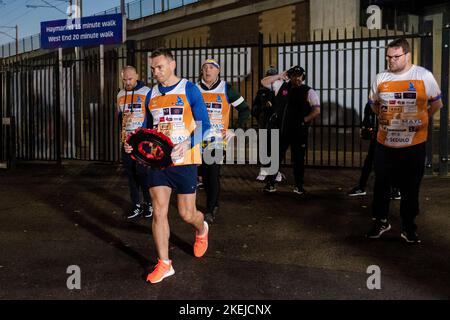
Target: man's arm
(148,121)
(238,102)
(274,82)
(119,112)
(434,107)
(199,112)
(433,93)
(315,111)
(375,105)
(314,101)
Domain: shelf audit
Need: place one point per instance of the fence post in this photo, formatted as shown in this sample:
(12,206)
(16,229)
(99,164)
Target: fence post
(59,97)
(260,57)
(427,62)
(131,52)
(443,133)
(12,143)
(8,123)
(9,129)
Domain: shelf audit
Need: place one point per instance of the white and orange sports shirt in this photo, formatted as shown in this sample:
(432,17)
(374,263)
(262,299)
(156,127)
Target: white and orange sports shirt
(218,109)
(131,108)
(403,101)
(172,115)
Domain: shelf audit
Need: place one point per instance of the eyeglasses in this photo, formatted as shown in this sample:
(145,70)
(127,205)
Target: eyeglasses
(395,57)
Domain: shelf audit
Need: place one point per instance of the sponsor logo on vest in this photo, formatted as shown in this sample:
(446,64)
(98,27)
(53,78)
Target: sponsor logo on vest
(412,122)
(179,102)
(411,87)
(395,109)
(399,139)
(176,110)
(410,95)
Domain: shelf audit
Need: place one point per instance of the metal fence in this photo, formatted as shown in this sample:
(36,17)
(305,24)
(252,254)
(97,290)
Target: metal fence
(62,112)
(341,72)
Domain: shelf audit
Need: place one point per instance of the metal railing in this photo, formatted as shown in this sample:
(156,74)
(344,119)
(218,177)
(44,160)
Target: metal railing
(340,69)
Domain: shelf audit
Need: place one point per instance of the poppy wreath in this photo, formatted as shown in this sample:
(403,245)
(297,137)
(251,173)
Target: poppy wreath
(151,148)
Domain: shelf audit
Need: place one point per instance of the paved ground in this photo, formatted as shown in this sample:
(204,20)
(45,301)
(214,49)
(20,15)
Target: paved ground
(277,246)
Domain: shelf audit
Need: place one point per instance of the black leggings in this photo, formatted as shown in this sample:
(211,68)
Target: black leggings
(137,179)
(402,167)
(211,181)
(298,140)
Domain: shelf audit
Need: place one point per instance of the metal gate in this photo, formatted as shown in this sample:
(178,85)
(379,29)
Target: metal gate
(58,107)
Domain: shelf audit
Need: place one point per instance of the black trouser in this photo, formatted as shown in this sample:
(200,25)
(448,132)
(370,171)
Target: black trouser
(137,179)
(297,139)
(211,181)
(402,167)
(368,164)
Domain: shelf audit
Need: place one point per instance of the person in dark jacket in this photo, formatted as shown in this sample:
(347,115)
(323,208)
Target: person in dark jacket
(262,110)
(296,106)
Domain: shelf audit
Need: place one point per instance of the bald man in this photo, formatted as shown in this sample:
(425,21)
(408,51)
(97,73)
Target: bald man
(131,111)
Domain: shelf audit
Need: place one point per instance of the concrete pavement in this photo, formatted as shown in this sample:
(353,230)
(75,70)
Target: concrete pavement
(276,246)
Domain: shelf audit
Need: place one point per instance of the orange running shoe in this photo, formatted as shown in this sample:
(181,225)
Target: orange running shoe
(201,242)
(162,270)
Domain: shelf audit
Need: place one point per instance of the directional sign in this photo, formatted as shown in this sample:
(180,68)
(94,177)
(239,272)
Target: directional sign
(87,31)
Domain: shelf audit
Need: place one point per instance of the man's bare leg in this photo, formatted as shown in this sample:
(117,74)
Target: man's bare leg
(188,211)
(160,226)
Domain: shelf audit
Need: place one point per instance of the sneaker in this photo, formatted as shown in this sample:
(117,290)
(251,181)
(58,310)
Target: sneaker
(161,271)
(357,191)
(270,188)
(299,190)
(148,210)
(379,227)
(395,194)
(261,177)
(136,211)
(410,236)
(201,242)
(280,177)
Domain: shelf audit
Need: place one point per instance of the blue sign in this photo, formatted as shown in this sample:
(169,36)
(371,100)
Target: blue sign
(78,32)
